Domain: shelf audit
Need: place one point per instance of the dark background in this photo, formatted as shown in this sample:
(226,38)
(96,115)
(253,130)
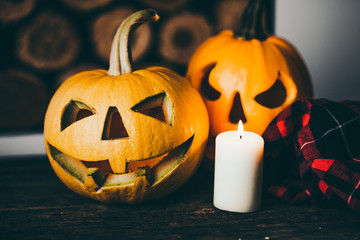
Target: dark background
(43,43)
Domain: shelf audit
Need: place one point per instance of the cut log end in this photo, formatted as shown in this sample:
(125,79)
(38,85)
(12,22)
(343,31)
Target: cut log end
(229,14)
(49,42)
(181,35)
(15,10)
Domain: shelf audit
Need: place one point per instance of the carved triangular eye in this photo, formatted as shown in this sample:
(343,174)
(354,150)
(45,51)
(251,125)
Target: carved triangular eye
(158,106)
(75,111)
(273,97)
(206,89)
(114,127)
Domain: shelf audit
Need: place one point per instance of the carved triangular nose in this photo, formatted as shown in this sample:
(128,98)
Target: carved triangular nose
(237,111)
(114,127)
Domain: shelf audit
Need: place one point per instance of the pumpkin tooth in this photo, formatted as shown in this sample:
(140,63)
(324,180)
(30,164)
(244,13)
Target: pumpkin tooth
(143,172)
(102,165)
(98,174)
(94,179)
(132,166)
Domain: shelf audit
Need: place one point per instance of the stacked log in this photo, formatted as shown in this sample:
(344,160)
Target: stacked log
(228,14)
(164,5)
(87,4)
(181,35)
(48,42)
(14,10)
(43,42)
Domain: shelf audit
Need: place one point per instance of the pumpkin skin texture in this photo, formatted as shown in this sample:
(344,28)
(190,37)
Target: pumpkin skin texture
(130,137)
(248,76)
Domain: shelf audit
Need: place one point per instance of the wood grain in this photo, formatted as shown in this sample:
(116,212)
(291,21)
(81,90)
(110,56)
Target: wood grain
(36,205)
(14,10)
(87,4)
(181,35)
(48,42)
(229,13)
(164,5)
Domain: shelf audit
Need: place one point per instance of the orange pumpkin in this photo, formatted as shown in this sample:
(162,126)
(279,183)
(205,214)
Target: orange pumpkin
(247,75)
(122,135)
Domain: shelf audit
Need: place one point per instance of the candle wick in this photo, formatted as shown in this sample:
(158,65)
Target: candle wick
(240,136)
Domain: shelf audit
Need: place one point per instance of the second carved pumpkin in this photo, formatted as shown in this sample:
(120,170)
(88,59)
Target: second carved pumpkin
(247,75)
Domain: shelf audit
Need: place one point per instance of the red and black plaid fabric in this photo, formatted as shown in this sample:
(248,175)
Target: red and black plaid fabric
(312,152)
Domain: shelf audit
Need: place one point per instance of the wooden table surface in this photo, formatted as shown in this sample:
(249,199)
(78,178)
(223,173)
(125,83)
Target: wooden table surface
(34,204)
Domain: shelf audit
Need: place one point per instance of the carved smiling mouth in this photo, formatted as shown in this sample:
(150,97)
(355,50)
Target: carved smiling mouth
(96,175)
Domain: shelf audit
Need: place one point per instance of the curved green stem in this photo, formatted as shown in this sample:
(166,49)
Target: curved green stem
(252,26)
(120,55)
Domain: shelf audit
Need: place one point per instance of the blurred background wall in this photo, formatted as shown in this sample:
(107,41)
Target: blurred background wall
(327,33)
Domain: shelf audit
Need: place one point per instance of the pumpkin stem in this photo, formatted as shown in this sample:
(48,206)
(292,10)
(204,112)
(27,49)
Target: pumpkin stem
(252,22)
(120,55)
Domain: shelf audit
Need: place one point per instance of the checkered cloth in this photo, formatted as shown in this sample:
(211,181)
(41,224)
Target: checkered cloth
(312,153)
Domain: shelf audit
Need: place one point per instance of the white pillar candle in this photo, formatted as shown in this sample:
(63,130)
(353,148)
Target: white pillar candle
(238,170)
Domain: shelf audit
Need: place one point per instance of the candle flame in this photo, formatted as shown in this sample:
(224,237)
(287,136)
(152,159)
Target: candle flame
(240,129)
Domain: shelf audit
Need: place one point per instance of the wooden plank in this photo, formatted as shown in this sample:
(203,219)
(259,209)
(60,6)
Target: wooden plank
(36,205)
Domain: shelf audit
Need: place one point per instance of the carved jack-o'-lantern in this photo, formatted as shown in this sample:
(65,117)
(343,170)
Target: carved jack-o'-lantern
(247,75)
(124,136)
